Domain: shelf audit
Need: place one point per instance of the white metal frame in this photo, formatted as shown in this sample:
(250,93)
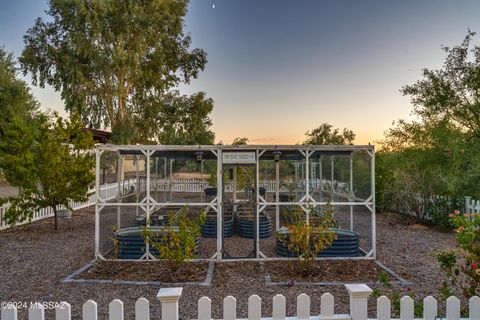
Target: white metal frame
(306,202)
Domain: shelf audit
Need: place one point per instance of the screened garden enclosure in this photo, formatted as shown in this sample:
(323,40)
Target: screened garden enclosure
(249,194)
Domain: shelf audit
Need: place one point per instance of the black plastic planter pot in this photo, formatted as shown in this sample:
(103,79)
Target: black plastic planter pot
(347,244)
(131,243)
(209,228)
(246,225)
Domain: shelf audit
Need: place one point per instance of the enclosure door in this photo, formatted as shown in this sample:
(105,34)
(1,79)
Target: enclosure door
(239,211)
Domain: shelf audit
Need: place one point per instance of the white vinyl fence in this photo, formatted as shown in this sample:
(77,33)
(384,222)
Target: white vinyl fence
(169,298)
(107,192)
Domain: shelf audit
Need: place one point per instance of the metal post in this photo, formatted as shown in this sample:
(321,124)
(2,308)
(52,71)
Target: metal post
(351,192)
(165,182)
(321,177)
(374,231)
(257,200)
(234,195)
(171,179)
(219,204)
(277,195)
(332,164)
(307,183)
(147,194)
(119,193)
(201,180)
(138,182)
(97,202)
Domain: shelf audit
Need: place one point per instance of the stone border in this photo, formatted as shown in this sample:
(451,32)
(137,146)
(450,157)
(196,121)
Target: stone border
(399,280)
(71,278)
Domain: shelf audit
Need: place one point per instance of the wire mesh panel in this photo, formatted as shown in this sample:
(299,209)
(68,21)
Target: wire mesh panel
(145,186)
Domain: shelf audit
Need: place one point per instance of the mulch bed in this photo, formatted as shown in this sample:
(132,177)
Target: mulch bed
(324,271)
(145,271)
(36,258)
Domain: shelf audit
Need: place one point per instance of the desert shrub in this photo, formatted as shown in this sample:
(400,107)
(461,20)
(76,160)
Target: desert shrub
(462,265)
(307,240)
(439,209)
(177,241)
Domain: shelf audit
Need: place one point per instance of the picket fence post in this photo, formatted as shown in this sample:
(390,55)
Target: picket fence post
(8,313)
(474,308)
(169,297)
(359,294)
(279,307)
(142,309)
(63,312)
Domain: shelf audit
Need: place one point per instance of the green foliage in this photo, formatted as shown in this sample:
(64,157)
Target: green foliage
(383,182)
(325,134)
(15,97)
(181,120)
(307,240)
(462,266)
(48,161)
(384,279)
(438,154)
(115,61)
(240,141)
(177,241)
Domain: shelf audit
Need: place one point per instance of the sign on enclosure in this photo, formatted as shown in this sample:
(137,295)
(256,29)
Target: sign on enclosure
(239,157)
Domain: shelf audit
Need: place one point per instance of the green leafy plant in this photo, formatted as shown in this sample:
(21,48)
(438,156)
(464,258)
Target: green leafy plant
(176,242)
(462,265)
(307,240)
(384,279)
(48,161)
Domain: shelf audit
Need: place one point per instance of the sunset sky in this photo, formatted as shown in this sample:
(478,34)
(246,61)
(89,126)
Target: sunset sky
(279,68)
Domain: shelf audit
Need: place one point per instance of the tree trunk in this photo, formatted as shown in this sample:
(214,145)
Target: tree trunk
(56,218)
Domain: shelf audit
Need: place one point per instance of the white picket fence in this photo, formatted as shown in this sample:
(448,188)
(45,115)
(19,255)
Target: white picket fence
(198,185)
(169,299)
(107,192)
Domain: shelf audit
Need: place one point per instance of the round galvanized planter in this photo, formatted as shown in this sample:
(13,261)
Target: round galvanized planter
(209,228)
(131,243)
(347,244)
(246,225)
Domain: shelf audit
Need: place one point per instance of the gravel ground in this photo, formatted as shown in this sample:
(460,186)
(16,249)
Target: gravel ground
(36,257)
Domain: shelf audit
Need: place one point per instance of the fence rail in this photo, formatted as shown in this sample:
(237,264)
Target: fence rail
(110,191)
(169,298)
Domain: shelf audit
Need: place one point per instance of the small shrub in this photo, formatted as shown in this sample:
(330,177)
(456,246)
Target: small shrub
(462,266)
(384,279)
(307,240)
(176,243)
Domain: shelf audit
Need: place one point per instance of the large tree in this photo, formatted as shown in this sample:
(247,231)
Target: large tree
(451,93)
(106,57)
(15,97)
(325,134)
(181,119)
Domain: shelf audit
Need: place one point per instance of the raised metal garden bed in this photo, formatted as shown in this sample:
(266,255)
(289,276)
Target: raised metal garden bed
(347,244)
(131,243)
(246,225)
(209,228)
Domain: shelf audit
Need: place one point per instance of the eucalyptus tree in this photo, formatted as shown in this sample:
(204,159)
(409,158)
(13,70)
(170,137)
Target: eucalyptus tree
(15,97)
(325,134)
(106,56)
